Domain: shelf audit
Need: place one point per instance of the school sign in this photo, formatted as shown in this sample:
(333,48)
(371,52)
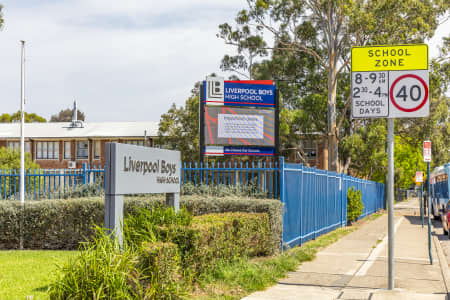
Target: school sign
(390,81)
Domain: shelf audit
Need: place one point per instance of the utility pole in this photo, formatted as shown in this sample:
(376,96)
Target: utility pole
(22,138)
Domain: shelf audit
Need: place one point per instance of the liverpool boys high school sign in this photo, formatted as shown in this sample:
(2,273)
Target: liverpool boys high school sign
(131,169)
(259,93)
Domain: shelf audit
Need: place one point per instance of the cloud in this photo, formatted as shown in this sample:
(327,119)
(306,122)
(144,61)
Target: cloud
(121,60)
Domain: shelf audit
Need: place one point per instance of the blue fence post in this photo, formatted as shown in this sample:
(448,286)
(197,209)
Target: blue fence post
(282,196)
(84,173)
(341,184)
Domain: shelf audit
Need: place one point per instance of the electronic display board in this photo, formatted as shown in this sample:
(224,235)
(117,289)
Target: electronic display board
(238,126)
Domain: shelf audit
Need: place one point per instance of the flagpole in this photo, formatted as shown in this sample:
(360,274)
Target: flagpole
(22,134)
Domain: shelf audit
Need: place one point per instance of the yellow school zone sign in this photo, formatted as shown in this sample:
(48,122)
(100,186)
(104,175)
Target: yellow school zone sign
(390,58)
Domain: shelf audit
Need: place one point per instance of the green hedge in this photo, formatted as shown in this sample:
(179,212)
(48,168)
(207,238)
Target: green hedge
(62,224)
(164,263)
(215,237)
(160,265)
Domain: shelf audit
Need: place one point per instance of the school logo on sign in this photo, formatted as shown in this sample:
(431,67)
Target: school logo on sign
(215,90)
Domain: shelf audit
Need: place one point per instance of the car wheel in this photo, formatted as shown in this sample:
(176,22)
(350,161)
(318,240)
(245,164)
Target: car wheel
(435,217)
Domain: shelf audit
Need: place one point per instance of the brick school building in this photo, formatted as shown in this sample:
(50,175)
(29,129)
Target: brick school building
(70,144)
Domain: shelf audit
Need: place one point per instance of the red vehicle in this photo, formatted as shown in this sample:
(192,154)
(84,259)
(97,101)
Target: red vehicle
(446,219)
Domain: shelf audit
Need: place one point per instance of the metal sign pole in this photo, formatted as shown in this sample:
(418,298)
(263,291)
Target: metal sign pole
(421,202)
(390,140)
(429,212)
(201,125)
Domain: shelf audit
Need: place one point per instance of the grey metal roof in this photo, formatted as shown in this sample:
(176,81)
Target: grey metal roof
(89,130)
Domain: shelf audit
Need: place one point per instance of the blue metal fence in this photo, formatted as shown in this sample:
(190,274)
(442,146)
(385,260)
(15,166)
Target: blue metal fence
(315,201)
(47,183)
(262,177)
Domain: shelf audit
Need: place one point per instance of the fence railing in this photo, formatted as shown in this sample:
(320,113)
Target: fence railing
(260,178)
(47,183)
(315,201)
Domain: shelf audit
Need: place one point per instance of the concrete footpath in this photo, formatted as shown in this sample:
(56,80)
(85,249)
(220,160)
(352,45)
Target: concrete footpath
(355,267)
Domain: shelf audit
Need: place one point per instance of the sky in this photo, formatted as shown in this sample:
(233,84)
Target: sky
(120,60)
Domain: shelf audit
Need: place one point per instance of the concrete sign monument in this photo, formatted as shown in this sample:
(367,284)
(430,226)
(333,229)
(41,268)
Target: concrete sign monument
(131,169)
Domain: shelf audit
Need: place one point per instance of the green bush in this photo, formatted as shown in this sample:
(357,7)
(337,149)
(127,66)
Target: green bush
(10,161)
(100,271)
(50,224)
(63,224)
(139,226)
(160,265)
(218,237)
(84,191)
(355,205)
(152,269)
(222,190)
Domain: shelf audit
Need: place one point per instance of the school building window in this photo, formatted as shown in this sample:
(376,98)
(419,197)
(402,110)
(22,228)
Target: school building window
(16,146)
(135,142)
(67,150)
(97,149)
(47,150)
(83,150)
(310,149)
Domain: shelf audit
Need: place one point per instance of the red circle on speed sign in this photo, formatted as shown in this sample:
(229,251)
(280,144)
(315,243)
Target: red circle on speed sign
(422,103)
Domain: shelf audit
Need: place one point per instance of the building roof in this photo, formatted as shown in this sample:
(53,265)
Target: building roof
(89,130)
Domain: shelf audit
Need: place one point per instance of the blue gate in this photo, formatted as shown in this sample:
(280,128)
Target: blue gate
(315,201)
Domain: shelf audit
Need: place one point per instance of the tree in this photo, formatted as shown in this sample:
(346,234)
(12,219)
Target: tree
(1,17)
(249,47)
(66,116)
(15,117)
(178,128)
(326,29)
(436,127)
(10,160)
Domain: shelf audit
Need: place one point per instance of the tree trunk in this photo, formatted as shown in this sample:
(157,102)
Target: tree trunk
(332,138)
(332,80)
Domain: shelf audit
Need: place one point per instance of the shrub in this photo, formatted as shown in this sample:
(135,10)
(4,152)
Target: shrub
(222,190)
(10,161)
(159,263)
(151,270)
(100,271)
(84,191)
(63,224)
(355,205)
(139,225)
(50,224)
(218,237)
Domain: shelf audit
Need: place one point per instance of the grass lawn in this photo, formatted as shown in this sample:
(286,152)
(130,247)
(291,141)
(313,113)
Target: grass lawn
(28,272)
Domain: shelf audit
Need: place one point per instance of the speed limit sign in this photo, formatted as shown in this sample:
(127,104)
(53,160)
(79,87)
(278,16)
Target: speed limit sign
(390,81)
(408,94)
